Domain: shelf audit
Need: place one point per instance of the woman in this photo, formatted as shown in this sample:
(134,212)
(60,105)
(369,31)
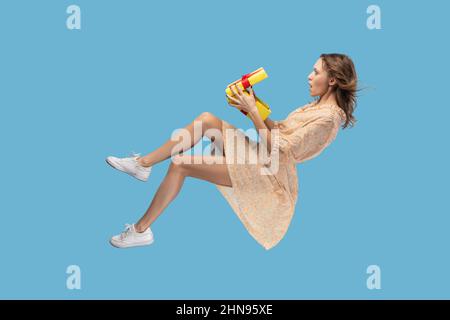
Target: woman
(264,203)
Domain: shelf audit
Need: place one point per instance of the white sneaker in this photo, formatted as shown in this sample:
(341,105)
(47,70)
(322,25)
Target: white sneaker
(131,238)
(131,166)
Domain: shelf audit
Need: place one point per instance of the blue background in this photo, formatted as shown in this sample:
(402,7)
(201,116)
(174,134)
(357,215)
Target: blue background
(69,98)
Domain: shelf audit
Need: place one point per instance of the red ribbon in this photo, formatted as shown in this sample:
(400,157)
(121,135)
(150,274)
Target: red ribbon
(244,79)
(246,83)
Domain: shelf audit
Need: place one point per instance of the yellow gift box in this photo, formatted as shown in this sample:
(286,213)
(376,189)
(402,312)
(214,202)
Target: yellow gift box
(249,80)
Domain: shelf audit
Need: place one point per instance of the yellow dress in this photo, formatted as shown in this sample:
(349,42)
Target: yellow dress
(264,195)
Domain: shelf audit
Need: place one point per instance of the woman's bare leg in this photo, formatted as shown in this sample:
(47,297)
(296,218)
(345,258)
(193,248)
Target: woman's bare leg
(207,120)
(216,173)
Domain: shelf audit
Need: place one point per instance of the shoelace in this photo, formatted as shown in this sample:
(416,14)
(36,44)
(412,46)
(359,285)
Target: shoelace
(134,154)
(126,232)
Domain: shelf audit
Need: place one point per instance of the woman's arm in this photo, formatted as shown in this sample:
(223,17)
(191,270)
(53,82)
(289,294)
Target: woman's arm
(269,123)
(248,103)
(262,128)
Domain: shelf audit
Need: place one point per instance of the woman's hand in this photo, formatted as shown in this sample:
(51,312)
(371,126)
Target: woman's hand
(241,100)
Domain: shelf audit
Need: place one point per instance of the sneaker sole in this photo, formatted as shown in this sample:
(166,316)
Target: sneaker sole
(139,244)
(121,170)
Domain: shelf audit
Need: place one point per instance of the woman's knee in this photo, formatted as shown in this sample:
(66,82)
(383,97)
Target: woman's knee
(209,120)
(177,165)
(206,115)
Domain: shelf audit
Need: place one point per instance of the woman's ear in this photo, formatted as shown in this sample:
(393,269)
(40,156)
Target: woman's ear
(331,82)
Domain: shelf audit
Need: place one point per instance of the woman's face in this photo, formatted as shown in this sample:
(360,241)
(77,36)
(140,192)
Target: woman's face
(318,80)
